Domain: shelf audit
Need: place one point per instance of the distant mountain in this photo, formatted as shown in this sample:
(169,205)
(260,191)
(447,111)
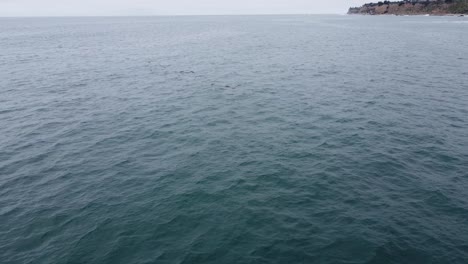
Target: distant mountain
(413,7)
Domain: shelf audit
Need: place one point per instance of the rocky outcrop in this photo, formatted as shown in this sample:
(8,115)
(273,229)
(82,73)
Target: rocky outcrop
(413,7)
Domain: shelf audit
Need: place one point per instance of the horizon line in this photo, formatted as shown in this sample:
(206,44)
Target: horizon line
(172,15)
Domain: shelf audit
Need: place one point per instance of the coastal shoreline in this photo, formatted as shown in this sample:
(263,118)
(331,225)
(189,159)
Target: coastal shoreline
(423,15)
(413,7)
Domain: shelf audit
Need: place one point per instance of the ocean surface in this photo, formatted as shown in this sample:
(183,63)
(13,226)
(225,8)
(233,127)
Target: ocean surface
(234,139)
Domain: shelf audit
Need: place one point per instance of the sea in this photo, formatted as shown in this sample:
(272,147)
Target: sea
(321,139)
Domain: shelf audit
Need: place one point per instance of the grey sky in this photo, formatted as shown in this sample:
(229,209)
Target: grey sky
(170,7)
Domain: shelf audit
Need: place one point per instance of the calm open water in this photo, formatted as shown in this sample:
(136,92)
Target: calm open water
(244,139)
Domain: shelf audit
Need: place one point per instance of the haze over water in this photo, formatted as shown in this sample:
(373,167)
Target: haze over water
(243,139)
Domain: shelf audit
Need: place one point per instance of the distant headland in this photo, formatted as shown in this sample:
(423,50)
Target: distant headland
(413,7)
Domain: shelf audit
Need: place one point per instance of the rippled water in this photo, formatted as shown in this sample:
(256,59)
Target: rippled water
(256,139)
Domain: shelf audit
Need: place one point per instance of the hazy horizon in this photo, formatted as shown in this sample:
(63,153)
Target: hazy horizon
(31,8)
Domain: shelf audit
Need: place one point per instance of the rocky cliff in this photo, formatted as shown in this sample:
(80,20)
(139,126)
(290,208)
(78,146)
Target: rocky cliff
(413,7)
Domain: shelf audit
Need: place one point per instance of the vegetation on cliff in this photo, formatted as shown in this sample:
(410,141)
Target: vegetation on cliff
(413,7)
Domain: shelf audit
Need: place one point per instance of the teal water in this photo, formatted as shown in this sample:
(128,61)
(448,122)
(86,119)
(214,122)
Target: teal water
(244,139)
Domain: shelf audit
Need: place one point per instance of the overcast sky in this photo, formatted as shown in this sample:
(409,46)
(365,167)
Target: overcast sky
(171,7)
